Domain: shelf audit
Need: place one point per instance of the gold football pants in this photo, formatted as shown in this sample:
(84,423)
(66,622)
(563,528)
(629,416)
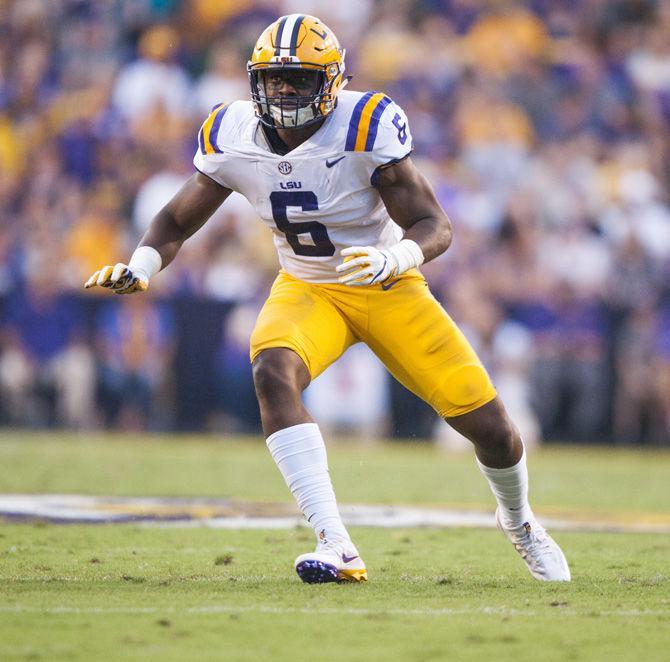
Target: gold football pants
(401,322)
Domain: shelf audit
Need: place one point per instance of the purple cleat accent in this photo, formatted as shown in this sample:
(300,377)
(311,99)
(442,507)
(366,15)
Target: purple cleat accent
(317,572)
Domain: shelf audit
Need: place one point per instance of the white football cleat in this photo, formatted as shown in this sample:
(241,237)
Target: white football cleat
(542,555)
(331,562)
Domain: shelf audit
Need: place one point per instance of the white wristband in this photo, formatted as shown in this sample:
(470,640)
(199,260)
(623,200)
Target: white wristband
(407,254)
(145,262)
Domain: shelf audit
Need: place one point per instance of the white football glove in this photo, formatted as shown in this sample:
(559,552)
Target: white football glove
(367,265)
(119,278)
(133,277)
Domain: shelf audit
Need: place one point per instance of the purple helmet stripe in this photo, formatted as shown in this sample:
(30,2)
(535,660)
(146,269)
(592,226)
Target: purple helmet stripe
(280,30)
(294,34)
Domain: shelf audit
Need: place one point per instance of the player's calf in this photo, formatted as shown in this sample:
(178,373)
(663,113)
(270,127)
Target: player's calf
(280,376)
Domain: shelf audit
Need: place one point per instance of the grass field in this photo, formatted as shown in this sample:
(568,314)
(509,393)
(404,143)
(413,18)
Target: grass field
(126,592)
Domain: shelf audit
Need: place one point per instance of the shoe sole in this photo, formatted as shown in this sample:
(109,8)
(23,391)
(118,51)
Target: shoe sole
(318,572)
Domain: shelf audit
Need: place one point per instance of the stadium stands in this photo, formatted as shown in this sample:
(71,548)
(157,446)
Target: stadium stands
(544,126)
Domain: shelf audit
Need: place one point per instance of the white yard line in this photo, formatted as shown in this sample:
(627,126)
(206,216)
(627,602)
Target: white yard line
(226,514)
(263,609)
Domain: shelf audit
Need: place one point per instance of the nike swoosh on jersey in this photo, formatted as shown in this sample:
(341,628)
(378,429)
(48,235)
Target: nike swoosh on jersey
(388,286)
(330,164)
(347,559)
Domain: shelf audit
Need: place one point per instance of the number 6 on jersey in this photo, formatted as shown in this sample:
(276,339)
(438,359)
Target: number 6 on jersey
(307,201)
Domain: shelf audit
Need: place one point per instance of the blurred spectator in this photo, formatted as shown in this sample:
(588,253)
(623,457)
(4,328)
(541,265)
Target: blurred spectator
(225,80)
(502,39)
(157,190)
(153,86)
(661,376)
(494,135)
(135,345)
(98,236)
(638,413)
(569,379)
(352,396)
(236,408)
(47,373)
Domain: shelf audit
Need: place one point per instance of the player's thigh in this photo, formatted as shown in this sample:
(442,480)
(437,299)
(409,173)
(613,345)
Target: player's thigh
(424,349)
(297,316)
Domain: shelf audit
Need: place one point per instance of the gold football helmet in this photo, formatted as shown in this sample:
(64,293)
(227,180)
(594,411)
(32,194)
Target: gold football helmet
(296,71)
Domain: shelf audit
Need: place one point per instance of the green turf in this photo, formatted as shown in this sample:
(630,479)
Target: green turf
(573,478)
(122,592)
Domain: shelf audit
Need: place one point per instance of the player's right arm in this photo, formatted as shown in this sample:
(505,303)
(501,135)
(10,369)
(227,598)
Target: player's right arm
(184,215)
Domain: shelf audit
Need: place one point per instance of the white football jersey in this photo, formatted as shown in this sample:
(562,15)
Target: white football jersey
(320,197)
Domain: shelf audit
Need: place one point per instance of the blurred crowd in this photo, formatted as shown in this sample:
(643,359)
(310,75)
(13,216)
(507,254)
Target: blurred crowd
(543,125)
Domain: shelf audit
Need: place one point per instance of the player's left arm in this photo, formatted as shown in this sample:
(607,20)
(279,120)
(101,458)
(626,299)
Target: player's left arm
(411,203)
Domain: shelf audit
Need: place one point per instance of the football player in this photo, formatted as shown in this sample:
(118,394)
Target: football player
(329,171)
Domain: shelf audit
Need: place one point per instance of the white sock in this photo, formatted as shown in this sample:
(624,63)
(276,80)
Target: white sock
(510,488)
(300,454)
